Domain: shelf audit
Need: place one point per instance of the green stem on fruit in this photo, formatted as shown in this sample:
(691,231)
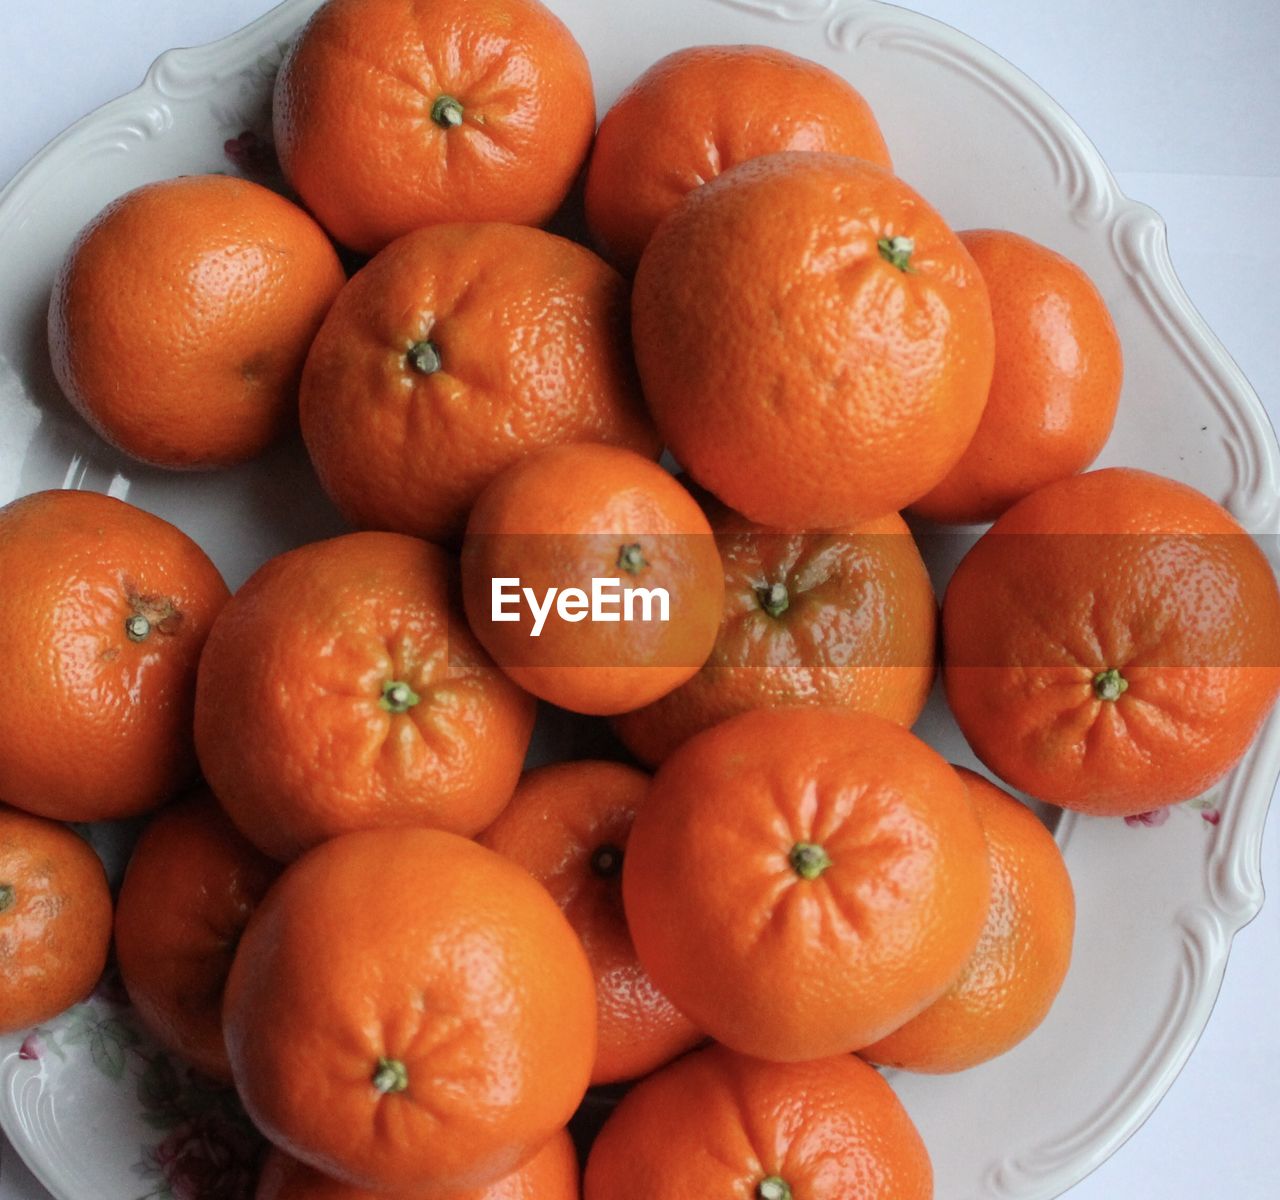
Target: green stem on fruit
(137,628)
(447,112)
(424,357)
(898,251)
(606,861)
(631,559)
(774,598)
(391,1075)
(808,860)
(773,1187)
(397,696)
(7,896)
(1109,685)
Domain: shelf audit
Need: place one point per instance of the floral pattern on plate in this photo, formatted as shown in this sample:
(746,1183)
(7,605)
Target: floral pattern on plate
(194,1140)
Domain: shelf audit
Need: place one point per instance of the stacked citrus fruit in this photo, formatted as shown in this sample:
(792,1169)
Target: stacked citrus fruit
(412,961)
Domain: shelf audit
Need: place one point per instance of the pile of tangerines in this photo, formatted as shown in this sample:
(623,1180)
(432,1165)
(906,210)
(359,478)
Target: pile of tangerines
(411,959)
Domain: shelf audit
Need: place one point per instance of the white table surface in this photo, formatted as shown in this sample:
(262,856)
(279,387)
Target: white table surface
(1183,99)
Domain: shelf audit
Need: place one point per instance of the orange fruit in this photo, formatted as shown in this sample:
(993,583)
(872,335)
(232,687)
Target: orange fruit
(702,110)
(828,849)
(719,1124)
(845,619)
(452,355)
(341,690)
(1009,984)
(1112,643)
(551,1174)
(818,368)
(103,614)
(408,1010)
(55,919)
(1056,384)
(568,824)
(191,886)
(182,314)
(394,114)
(571,517)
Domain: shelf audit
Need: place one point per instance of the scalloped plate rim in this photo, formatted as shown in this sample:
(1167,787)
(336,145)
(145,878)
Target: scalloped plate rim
(1263,758)
(42,1167)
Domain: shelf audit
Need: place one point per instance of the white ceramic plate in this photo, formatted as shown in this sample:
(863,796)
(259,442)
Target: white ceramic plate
(99,1115)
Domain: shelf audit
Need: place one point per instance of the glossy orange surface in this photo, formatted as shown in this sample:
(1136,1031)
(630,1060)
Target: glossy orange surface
(570,514)
(182,314)
(394,114)
(55,919)
(341,690)
(410,1011)
(719,1124)
(192,883)
(814,342)
(568,825)
(103,614)
(1112,643)
(1010,983)
(1058,371)
(698,112)
(452,355)
(802,881)
(845,619)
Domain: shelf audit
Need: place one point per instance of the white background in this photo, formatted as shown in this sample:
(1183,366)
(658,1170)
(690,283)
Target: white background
(1183,99)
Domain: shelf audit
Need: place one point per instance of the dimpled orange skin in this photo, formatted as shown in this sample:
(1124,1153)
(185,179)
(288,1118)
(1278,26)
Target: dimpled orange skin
(530,337)
(181,317)
(720,909)
(570,514)
(793,369)
(702,110)
(551,1174)
(191,886)
(95,724)
(720,1124)
(55,919)
(1009,985)
(568,824)
(361,133)
(855,626)
(1056,384)
(1112,643)
(410,1011)
(341,690)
